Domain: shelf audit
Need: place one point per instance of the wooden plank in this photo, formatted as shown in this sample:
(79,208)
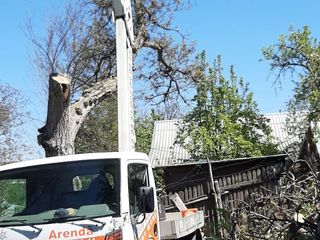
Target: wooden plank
(194,192)
(235,193)
(224,182)
(254,175)
(235,200)
(229,181)
(202,190)
(182,196)
(241,192)
(259,173)
(231,199)
(244,176)
(263,173)
(220,182)
(189,194)
(225,197)
(209,187)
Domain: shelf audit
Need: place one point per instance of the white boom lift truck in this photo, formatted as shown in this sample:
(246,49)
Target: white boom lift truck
(100,196)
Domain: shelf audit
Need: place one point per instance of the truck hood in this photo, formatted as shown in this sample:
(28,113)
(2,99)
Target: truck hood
(74,230)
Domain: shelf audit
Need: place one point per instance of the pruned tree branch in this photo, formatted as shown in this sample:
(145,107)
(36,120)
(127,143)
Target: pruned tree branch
(64,118)
(90,98)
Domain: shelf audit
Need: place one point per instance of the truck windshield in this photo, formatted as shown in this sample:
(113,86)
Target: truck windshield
(35,194)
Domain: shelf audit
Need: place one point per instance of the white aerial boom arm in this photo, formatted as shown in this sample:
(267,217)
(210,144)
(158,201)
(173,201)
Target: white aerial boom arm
(124,40)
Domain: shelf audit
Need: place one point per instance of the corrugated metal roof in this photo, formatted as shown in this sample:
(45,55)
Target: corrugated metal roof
(164,151)
(279,133)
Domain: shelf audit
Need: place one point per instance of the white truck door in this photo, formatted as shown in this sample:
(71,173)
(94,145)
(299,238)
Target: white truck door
(144,226)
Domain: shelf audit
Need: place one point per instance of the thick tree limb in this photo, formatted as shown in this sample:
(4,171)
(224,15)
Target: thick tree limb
(64,119)
(91,97)
(58,101)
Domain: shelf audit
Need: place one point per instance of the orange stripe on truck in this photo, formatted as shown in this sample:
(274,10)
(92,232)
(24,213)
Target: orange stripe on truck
(96,238)
(151,229)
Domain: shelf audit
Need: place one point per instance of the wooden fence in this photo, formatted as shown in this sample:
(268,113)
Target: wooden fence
(240,180)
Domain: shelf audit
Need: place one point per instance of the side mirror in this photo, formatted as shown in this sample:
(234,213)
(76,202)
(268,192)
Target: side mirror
(146,197)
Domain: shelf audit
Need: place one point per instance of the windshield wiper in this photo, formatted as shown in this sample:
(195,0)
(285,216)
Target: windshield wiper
(23,221)
(63,218)
(96,221)
(73,217)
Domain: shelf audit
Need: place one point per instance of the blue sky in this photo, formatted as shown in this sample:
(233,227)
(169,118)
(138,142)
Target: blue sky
(236,29)
(15,57)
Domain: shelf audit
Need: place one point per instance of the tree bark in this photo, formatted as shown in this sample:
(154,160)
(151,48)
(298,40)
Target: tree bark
(65,118)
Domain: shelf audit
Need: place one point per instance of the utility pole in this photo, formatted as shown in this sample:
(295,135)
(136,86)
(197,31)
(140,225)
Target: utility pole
(124,41)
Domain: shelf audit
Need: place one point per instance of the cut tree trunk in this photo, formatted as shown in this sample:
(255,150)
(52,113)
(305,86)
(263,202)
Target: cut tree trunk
(63,118)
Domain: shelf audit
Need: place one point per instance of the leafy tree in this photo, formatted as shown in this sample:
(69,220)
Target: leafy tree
(225,122)
(12,117)
(99,132)
(292,211)
(81,44)
(297,56)
(13,197)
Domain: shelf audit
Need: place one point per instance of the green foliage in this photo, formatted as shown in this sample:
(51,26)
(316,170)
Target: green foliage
(13,197)
(99,132)
(225,123)
(297,56)
(158,174)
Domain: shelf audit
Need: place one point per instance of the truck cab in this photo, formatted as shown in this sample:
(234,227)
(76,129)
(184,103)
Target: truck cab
(87,196)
